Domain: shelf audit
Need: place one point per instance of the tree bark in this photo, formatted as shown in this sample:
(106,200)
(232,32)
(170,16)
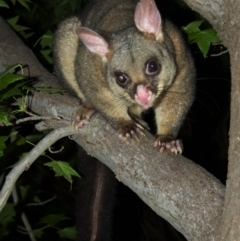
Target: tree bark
(177,189)
(225,18)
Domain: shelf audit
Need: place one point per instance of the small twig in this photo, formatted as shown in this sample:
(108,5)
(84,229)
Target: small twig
(57,151)
(22,232)
(72,138)
(22,229)
(42,203)
(221,53)
(30,113)
(217,44)
(36,118)
(23,216)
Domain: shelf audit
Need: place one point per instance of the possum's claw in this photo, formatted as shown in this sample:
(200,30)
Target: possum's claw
(130,130)
(81,116)
(174,146)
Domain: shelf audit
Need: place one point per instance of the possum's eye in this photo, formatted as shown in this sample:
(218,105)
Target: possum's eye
(122,79)
(152,67)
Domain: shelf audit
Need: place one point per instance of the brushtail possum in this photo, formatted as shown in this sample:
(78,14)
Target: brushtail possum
(122,59)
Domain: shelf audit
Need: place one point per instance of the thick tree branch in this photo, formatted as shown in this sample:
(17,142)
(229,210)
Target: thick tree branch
(180,191)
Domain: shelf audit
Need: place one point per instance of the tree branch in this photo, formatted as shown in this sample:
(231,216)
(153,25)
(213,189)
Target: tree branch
(177,189)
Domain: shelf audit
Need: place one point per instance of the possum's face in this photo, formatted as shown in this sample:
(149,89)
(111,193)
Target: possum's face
(140,69)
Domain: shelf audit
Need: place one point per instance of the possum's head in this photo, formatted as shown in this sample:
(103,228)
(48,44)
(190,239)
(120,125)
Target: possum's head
(140,69)
(140,62)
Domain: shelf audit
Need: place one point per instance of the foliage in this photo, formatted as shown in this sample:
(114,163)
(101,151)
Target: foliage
(35,22)
(62,169)
(11,86)
(6,216)
(14,89)
(203,38)
(31,21)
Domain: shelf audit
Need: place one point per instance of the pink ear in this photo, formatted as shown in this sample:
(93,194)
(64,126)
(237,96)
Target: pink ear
(93,41)
(147,17)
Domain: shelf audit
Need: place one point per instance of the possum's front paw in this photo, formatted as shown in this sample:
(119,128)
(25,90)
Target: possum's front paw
(131,130)
(82,116)
(167,142)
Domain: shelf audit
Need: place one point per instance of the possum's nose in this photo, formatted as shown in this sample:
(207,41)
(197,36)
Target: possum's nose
(143,96)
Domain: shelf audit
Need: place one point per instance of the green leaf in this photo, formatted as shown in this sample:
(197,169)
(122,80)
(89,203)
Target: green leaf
(73,5)
(192,37)
(46,54)
(204,47)
(211,35)
(3,139)
(23,191)
(193,27)
(49,90)
(26,35)
(47,39)
(3,4)
(23,155)
(204,39)
(10,93)
(13,90)
(15,26)
(62,169)
(8,79)
(69,232)
(38,233)
(36,199)
(14,1)
(7,214)
(10,69)
(35,137)
(4,117)
(3,231)
(53,219)
(24,3)
(20,141)
(12,146)
(3,146)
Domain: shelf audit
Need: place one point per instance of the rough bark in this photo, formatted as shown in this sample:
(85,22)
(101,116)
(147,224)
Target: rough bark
(225,18)
(177,189)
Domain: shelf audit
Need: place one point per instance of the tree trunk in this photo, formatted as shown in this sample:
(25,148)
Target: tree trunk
(225,18)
